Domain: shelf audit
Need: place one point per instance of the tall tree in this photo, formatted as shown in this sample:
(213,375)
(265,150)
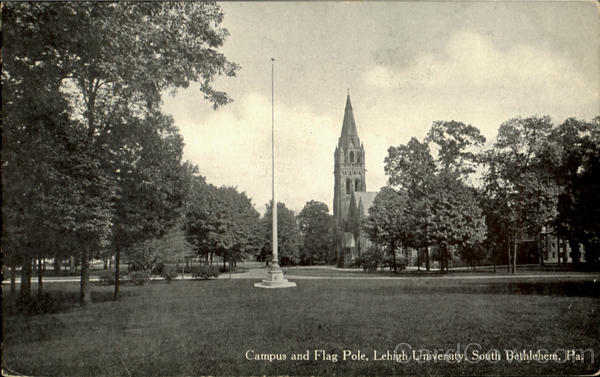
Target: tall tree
(152,184)
(389,222)
(222,221)
(518,179)
(315,225)
(288,236)
(444,208)
(572,153)
(114,60)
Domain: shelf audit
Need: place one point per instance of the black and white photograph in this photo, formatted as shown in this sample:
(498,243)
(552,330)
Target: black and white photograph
(302,188)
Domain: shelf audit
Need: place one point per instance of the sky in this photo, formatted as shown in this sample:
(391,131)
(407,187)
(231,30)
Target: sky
(405,65)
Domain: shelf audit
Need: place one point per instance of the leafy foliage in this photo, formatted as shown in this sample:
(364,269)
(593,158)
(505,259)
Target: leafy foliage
(82,85)
(315,225)
(151,255)
(370,260)
(573,154)
(205,272)
(222,220)
(428,201)
(139,277)
(288,236)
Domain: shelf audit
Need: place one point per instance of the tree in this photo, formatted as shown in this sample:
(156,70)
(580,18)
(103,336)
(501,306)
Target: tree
(222,221)
(315,225)
(47,169)
(288,237)
(152,184)
(517,179)
(444,208)
(113,61)
(572,152)
(389,223)
(149,254)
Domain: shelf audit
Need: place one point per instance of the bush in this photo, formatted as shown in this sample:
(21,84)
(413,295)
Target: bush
(168,274)
(401,262)
(159,268)
(205,272)
(107,276)
(139,277)
(370,260)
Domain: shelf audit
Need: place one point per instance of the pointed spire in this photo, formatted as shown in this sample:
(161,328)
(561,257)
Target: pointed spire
(349,126)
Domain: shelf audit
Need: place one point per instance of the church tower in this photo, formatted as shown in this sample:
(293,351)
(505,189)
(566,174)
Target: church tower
(349,177)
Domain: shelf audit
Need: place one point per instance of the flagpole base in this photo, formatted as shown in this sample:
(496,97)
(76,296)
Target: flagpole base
(275,280)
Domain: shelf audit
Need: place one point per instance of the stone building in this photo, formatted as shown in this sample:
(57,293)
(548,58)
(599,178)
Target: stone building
(351,200)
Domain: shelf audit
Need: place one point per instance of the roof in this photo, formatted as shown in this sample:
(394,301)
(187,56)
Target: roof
(349,125)
(364,197)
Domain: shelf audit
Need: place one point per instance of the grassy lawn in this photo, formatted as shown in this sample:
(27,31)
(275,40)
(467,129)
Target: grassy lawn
(206,327)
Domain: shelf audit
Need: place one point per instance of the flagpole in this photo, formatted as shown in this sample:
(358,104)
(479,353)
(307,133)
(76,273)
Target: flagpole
(275,274)
(274,262)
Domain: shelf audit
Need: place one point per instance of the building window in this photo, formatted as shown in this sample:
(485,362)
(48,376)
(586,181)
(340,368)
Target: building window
(358,157)
(357,186)
(348,186)
(351,156)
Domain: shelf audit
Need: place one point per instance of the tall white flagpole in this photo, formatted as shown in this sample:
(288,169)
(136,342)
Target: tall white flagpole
(274,262)
(275,278)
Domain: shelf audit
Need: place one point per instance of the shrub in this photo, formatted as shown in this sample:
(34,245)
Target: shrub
(205,272)
(168,274)
(107,276)
(401,262)
(370,260)
(159,268)
(139,277)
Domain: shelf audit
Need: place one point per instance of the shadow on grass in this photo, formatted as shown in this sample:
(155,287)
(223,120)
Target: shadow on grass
(545,288)
(54,301)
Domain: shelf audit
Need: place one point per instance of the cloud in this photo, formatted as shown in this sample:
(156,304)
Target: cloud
(469,80)
(234,148)
(471,67)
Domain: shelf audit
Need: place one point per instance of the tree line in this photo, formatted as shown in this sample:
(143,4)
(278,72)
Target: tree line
(90,164)
(448,192)
(91,167)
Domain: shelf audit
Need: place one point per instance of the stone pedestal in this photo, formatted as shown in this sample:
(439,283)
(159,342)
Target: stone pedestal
(275,280)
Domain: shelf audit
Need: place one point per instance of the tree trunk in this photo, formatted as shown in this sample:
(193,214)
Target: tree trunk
(13,280)
(105,267)
(541,250)
(57,263)
(117,271)
(84,291)
(419,259)
(442,257)
(394,258)
(575,254)
(40,270)
(508,263)
(515,257)
(73,267)
(427,259)
(25,292)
